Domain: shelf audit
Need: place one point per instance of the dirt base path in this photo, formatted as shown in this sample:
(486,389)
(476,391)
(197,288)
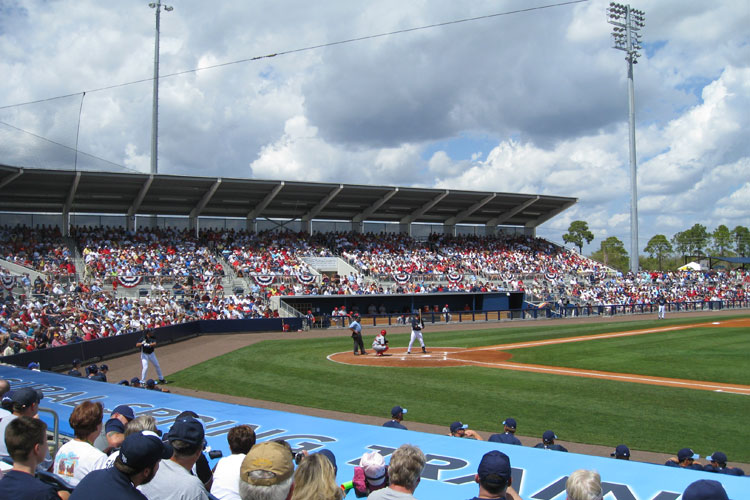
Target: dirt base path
(181,355)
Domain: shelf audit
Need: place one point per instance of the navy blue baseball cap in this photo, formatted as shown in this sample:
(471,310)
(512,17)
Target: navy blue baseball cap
(686,453)
(494,468)
(458,425)
(143,449)
(33,365)
(510,422)
(187,429)
(717,456)
(705,489)
(548,436)
(621,451)
(76,362)
(331,458)
(125,411)
(397,410)
(26,396)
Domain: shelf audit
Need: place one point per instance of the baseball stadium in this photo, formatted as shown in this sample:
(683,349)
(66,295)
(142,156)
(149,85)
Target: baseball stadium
(350,318)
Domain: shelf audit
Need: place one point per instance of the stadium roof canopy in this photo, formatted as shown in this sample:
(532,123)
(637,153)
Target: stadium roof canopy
(67,191)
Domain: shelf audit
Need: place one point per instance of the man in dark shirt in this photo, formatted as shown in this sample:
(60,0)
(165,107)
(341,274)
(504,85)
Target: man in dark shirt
(548,442)
(494,477)
(75,371)
(136,464)
(397,415)
(507,437)
(26,440)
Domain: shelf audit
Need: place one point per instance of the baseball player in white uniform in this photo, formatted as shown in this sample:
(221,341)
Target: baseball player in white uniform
(147,345)
(416,332)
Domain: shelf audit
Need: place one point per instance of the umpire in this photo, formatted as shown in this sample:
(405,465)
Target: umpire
(356,330)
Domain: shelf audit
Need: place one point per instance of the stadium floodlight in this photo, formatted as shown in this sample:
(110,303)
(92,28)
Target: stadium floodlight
(155,108)
(627,23)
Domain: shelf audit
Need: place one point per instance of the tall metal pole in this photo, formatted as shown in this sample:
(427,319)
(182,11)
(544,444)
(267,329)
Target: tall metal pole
(628,23)
(155,106)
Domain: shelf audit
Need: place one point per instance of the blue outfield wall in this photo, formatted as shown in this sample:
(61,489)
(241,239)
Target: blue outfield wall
(452,463)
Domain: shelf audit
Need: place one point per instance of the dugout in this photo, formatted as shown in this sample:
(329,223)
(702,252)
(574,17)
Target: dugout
(406,303)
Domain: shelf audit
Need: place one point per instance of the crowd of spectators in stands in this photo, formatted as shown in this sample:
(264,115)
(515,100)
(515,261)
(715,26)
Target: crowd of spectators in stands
(179,263)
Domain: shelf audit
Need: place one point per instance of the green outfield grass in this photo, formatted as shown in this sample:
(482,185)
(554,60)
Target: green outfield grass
(578,409)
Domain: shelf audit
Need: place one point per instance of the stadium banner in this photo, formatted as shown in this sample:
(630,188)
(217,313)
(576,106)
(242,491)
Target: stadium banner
(130,281)
(451,462)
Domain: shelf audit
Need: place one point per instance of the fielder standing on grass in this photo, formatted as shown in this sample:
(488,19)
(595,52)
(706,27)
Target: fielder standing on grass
(417,325)
(147,344)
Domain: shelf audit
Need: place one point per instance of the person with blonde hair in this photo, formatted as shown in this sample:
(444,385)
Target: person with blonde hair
(404,473)
(584,485)
(315,479)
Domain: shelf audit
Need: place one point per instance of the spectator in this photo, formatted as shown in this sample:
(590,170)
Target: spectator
(201,469)
(370,475)
(267,472)
(138,424)
(584,485)
(718,463)
(705,489)
(509,436)
(622,452)
(397,415)
(315,479)
(78,457)
(404,474)
(24,403)
(174,479)
(461,430)
(686,459)
(26,441)
(114,429)
(225,486)
(548,442)
(494,477)
(4,389)
(135,465)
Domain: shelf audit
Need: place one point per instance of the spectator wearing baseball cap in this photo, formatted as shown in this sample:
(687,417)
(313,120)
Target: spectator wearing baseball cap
(174,478)
(685,458)
(461,430)
(397,416)
(113,432)
(4,400)
(584,485)
(23,402)
(718,463)
(548,442)
(267,472)
(621,452)
(509,434)
(136,465)
(494,477)
(705,489)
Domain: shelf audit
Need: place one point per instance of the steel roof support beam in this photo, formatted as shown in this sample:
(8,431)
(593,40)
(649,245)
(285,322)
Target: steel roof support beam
(360,217)
(196,211)
(465,213)
(255,212)
(308,217)
(424,208)
(11,178)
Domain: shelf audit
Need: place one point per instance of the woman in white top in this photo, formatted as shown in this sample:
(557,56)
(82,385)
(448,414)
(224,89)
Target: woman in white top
(78,457)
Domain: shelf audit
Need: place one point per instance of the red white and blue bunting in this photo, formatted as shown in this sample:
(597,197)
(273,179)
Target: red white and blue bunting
(306,278)
(401,278)
(264,279)
(130,281)
(455,277)
(550,276)
(8,282)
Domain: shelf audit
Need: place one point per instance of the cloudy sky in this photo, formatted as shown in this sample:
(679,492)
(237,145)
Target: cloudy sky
(532,102)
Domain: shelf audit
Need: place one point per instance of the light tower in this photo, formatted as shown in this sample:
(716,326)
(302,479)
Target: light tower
(155,109)
(627,23)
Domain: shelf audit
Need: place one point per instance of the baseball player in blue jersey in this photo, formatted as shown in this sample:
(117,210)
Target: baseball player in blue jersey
(417,325)
(661,301)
